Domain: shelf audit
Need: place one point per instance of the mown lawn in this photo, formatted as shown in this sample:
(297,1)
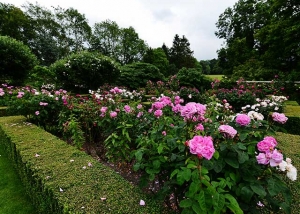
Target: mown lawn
(216,76)
(13,199)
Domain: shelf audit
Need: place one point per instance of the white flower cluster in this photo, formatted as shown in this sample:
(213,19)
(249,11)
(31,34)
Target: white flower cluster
(266,105)
(291,170)
(280,99)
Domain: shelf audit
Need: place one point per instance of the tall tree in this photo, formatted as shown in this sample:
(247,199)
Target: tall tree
(180,53)
(106,38)
(122,44)
(158,58)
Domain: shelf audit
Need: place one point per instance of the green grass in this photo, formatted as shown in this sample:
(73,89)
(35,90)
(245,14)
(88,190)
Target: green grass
(213,77)
(13,199)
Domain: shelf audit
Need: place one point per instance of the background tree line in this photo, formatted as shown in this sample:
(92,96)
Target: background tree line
(261,40)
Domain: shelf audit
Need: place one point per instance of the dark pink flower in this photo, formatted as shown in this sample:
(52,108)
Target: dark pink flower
(227,130)
(202,146)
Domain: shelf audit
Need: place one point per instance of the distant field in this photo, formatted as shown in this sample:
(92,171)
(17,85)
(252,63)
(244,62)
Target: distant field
(213,77)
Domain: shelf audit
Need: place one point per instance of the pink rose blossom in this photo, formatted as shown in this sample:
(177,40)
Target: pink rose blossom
(280,118)
(262,159)
(37,113)
(242,119)
(113,114)
(103,109)
(267,144)
(276,158)
(202,146)
(158,113)
(199,127)
(164,133)
(127,109)
(139,106)
(227,130)
(139,114)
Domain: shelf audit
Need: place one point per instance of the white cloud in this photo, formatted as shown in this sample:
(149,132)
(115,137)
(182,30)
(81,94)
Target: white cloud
(156,21)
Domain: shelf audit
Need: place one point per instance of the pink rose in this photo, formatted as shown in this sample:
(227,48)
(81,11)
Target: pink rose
(202,146)
(280,118)
(276,158)
(113,114)
(242,119)
(262,159)
(228,131)
(158,113)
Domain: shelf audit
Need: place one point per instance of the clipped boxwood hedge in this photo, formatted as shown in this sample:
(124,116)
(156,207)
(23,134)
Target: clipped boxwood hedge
(293,123)
(58,177)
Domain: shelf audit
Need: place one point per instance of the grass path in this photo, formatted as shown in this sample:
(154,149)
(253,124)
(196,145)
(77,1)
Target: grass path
(12,194)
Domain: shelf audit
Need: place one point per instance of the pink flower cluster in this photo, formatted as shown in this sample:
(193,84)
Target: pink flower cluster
(202,146)
(227,131)
(116,90)
(20,94)
(268,154)
(43,104)
(193,111)
(280,118)
(243,119)
(127,109)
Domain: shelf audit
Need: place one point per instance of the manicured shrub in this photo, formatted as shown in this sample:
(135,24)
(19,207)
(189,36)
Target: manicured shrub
(16,61)
(80,72)
(192,77)
(136,75)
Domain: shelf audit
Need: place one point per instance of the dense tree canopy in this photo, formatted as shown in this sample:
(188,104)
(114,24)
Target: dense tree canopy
(261,31)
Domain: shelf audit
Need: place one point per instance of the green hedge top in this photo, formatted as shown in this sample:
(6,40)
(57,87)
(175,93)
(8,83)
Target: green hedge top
(67,173)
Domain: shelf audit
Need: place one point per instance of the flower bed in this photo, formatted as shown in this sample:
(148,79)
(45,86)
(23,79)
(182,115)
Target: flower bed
(201,157)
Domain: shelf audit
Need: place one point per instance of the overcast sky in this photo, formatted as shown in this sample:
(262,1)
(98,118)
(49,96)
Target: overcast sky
(156,21)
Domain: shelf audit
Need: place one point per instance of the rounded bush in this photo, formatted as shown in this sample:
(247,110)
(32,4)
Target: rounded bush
(16,61)
(192,77)
(136,75)
(80,72)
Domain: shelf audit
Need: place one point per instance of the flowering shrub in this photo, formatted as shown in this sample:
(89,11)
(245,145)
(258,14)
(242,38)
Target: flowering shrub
(263,107)
(199,158)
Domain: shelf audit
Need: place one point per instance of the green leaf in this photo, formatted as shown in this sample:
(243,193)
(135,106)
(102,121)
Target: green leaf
(216,155)
(191,166)
(197,208)
(193,189)
(246,193)
(201,201)
(258,189)
(174,173)
(232,176)
(242,157)
(233,206)
(139,155)
(160,148)
(186,203)
(251,149)
(156,164)
(243,136)
(241,146)
(232,161)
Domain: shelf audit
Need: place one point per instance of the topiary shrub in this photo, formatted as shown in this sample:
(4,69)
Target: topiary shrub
(41,76)
(136,75)
(16,61)
(192,77)
(80,72)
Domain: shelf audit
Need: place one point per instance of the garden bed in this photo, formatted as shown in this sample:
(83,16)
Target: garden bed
(61,179)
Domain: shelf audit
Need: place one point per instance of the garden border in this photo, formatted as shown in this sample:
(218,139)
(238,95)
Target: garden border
(61,179)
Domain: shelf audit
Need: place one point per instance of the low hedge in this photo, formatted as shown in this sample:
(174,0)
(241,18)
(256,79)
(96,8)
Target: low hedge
(59,178)
(293,123)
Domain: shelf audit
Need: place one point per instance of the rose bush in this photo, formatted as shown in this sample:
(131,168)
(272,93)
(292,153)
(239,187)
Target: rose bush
(199,158)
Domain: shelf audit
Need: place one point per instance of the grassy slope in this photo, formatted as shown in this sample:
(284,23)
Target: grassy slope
(12,194)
